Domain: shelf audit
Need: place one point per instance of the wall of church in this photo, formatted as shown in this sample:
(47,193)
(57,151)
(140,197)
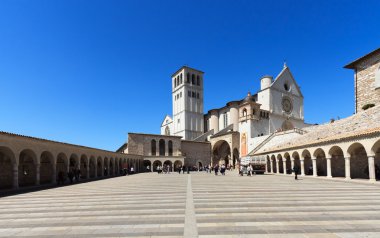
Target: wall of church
(367,92)
(263,98)
(276,103)
(141,144)
(195,152)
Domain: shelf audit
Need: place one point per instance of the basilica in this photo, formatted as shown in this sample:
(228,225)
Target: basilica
(237,127)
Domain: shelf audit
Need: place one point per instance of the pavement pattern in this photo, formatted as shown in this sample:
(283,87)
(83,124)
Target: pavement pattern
(196,205)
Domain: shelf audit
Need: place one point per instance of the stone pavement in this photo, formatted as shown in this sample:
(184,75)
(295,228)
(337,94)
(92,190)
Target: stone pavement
(199,205)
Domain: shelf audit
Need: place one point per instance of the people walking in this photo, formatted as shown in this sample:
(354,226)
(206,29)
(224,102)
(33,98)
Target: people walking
(216,169)
(296,171)
(223,169)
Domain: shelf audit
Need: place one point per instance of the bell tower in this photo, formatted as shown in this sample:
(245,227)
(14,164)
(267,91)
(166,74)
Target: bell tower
(187,96)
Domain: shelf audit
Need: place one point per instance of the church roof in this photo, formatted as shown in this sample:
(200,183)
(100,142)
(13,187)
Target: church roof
(361,124)
(186,67)
(353,64)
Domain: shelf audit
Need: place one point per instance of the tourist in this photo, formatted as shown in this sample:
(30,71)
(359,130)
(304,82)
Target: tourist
(183,169)
(249,170)
(295,170)
(132,170)
(223,169)
(179,169)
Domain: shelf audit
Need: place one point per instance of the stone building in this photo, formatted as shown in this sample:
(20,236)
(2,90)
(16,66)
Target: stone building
(164,150)
(347,148)
(240,125)
(28,161)
(367,80)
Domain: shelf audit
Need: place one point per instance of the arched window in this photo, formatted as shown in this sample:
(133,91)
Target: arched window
(180,79)
(244,112)
(377,78)
(198,80)
(175,82)
(162,147)
(153,147)
(170,145)
(192,79)
(167,131)
(188,78)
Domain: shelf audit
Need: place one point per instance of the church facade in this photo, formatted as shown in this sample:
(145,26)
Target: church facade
(236,128)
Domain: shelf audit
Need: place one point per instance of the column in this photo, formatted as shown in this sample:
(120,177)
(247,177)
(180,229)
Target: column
(271,165)
(328,160)
(277,167)
(54,175)
(15,176)
(371,169)
(292,165)
(151,166)
(284,164)
(314,160)
(347,167)
(38,166)
(302,166)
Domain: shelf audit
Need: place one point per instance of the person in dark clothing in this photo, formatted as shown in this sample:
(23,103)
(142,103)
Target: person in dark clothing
(296,170)
(216,169)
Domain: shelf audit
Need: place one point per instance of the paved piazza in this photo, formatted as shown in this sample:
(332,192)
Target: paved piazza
(152,205)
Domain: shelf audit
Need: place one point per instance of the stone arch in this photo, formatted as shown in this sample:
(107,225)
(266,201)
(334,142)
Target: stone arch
(320,155)
(170,148)
(297,160)
(337,161)
(288,162)
(105,166)
(358,161)
(161,145)
(221,153)
(166,164)
(375,150)
(269,164)
(46,167)
(177,165)
(273,163)
(73,162)
(280,164)
(92,167)
(156,163)
(308,163)
(27,169)
(147,165)
(7,161)
(83,166)
(62,165)
(99,167)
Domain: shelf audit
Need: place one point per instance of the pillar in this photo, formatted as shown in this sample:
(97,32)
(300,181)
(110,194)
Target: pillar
(302,160)
(328,160)
(292,165)
(314,160)
(284,164)
(347,167)
(371,169)
(38,166)
(271,165)
(15,176)
(151,166)
(277,167)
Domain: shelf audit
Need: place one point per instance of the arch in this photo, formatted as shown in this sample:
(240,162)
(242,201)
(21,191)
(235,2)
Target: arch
(83,166)
(297,161)
(177,165)
(274,165)
(7,160)
(161,145)
(280,164)
(320,156)
(153,147)
(337,161)
(170,148)
(168,166)
(105,166)
(27,170)
(358,161)
(221,153)
(99,167)
(92,167)
(308,163)
(269,165)
(147,165)
(62,165)
(73,161)
(288,162)
(156,163)
(46,167)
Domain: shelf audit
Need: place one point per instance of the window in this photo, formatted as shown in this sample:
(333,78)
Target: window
(180,79)
(198,95)
(193,94)
(225,120)
(170,145)
(244,112)
(198,80)
(192,79)
(162,147)
(189,93)
(175,83)
(188,78)
(377,78)
(153,147)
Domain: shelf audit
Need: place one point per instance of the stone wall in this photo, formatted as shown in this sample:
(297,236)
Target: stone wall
(195,152)
(365,89)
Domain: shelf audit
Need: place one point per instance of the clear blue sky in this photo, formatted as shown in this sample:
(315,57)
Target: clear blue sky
(89,72)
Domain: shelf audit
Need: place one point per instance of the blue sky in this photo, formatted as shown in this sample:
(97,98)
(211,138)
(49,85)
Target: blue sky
(89,72)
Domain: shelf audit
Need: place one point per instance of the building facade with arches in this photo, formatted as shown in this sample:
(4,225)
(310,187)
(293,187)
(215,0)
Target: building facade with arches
(27,161)
(348,148)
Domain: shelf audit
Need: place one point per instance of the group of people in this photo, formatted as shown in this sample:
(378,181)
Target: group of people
(163,169)
(73,175)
